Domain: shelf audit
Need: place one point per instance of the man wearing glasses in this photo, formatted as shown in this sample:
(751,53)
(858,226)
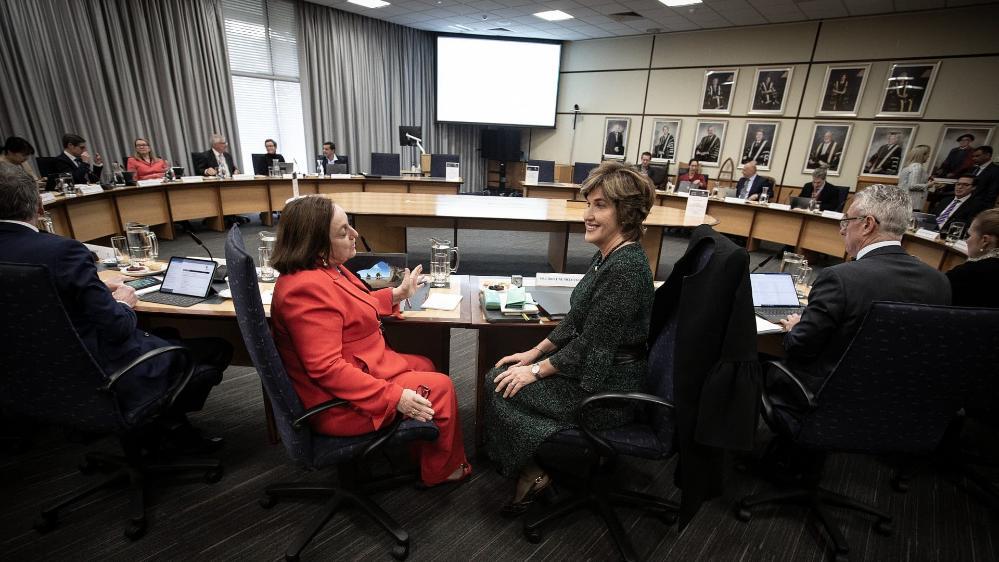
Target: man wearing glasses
(872,229)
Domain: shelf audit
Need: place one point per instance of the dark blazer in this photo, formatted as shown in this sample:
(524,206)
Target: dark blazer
(716,372)
(83,173)
(206,159)
(832,197)
(614,144)
(965,213)
(106,327)
(839,300)
(340,159)
(974,283)
(987,185)
(656,173)
(757,186)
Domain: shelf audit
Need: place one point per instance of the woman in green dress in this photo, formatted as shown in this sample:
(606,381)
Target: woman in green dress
(599,346)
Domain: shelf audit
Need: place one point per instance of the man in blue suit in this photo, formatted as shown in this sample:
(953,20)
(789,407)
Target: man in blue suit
(750,185)
(103,317)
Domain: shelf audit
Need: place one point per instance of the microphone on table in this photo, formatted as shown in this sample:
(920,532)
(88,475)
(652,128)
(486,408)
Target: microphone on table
(763,263)
(220,269)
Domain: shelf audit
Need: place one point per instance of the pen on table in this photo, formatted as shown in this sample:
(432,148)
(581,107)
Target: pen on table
(526,319)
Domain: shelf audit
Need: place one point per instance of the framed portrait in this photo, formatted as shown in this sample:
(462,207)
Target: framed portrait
(710,137)
(842,89)
(616,137)
(665,136)
(827,146)
(886,151)
(954,148)
(718,88)
(758,143)
(770,91)
(907,89)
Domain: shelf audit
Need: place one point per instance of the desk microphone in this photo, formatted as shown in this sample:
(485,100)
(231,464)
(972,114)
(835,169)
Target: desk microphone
(220,270)
(763,263)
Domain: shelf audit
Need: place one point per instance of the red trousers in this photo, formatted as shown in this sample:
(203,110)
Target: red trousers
(439,458)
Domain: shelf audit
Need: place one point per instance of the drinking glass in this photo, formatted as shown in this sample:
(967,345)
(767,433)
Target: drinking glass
(120,246)
(45,221)
(955,232)
(814,206)
(319,167)
(764,196)
(912,224)
(803,278)
(264,261)
(791,262)
(268,238)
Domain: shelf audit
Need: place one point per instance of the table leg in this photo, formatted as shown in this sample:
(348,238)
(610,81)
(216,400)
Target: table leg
(558,249)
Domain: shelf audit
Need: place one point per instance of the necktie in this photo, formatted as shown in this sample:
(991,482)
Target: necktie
(942,219)
(79,162)
(223,170)
(978,170)
(818,192)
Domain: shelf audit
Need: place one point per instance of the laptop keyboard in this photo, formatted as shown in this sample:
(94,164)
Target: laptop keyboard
(777,313)
(171,299)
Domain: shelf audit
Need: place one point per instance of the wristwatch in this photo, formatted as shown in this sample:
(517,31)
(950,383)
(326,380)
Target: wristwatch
(536,370)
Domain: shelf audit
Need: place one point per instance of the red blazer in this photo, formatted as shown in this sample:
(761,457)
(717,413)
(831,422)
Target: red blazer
(146,170)
(327,330)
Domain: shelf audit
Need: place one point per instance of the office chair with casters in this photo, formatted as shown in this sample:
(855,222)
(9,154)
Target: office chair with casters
(546,169)
(46,165)
(69,389)
(311,450)
(438,164)
(580,170)
(385,164)
(894,392)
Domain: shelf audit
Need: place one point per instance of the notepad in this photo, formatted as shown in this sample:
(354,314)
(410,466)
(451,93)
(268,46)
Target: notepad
(441,301)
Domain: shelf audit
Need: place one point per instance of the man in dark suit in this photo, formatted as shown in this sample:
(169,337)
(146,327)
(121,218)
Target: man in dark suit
(216,161)
(750,185)
(75,160)
(830,197)
(882,271)
(962,206)
(103,317)
(986,176)
(329,157)
(655,173)
(262,166)
(615,140)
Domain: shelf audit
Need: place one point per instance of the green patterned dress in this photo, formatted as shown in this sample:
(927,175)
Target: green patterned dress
(610,309)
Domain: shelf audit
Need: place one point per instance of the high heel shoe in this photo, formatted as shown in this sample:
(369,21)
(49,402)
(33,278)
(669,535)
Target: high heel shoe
(519,507)
(466,473)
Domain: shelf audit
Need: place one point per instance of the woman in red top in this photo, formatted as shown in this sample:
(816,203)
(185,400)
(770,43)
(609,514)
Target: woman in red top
(694,176)
(144,163)
(327,330)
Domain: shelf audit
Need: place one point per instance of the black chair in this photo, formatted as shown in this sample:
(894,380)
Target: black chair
(46,165)
(546,169)
(844,193)
(898,386)
(261,164)
(580,170)
(438,164)
(385,164)
(67,388)
(196,162)
(309,450)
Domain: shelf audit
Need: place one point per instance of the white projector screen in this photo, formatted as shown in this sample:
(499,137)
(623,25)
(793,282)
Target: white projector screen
(497,82)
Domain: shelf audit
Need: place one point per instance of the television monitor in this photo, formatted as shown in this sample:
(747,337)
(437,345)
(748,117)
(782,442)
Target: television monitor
(500,144)
(414,130)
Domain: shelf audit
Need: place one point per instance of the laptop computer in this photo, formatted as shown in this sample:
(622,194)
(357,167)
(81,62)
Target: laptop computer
(800,202)
(187,282)
(725,191)
(774,296)
(684,187)
(336,168)
(286,167)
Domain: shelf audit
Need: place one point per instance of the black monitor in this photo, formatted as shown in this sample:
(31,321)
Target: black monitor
(414,130)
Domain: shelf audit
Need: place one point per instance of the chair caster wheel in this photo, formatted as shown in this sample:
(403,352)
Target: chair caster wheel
(267,502)
(291,557)
(743,514)
(135,529)
(400,551)
(46,522)
(884,527)
(214,475)
(533,536)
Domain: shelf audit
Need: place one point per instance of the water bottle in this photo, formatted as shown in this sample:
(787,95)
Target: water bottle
(764,196)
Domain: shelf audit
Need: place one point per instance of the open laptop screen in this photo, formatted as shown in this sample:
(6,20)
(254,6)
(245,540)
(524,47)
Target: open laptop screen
(378,269)
(188,276)
(773,289)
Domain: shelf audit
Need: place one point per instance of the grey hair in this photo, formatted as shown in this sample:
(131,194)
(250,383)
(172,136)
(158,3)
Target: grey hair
(19,199)
(820,172)
(890,204)
(217,138)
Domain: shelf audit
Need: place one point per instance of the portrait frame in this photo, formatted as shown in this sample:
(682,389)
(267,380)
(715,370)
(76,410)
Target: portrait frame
(758,103)
(856,75)
(674,125)
(609,124)
(700,132)
(879,135)
(770,130)
(947,139)
(728,77)
(923,76)
(840,132)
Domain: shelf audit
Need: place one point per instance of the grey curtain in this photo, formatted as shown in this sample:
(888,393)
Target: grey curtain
(114,70)
(362,78)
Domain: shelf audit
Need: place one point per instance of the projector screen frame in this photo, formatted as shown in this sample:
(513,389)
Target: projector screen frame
(561,45)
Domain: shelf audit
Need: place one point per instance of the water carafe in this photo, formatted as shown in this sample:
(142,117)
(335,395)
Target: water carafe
(142,244)
(441,267)
(268,239)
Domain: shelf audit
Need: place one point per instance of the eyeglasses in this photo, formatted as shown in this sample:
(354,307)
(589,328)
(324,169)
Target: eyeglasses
(843,223)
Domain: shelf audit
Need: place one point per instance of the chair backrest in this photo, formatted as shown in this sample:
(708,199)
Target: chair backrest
(46,373)
(903,378)
(580,170)
(46,165)
(260,164)
(546,169)
(260,346)
(438,164)
(385,164)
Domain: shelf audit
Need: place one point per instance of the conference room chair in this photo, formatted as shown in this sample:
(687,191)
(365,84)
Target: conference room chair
(48,376)
(546,169)
(580,171)
(438,164)
(346,457)
(385,164)
(46,165)
(894,392)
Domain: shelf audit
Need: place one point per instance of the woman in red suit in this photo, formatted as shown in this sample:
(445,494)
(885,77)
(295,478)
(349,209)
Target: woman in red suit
(694,176)
(327,330)
(144,163)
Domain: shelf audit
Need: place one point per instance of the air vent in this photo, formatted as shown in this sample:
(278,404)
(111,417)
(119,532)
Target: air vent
(625,16)
(503,29)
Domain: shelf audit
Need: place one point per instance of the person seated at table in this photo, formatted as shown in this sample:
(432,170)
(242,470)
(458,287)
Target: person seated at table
(750,186)
(270,157)
(143,163)
(103,317)
(694,176)
(327,330)
(962,206)
(829,196)
(216,161)
(974,282)
(15,153)
(75,160)
(599,346)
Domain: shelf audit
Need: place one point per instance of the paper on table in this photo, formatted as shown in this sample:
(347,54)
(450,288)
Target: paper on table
(147,183)
(780,206)
(441,301)
(961,246)
(104,253)
(766,327)
(90,189)
(926,234)
(557,279)
(243,176)
(695,210)
(48,197)
(832,215)
(736,200)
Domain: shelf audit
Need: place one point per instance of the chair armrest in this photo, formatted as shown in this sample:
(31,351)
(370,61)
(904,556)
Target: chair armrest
(299,423)
(787,374)
(177,387)
(605,448)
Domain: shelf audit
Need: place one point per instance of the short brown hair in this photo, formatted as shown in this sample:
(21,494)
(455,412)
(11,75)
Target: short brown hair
(631,193)
(303,240)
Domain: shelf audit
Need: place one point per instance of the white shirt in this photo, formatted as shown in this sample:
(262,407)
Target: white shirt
(870,247)
(71,158)
(982,167)
(22,223)
(749,186)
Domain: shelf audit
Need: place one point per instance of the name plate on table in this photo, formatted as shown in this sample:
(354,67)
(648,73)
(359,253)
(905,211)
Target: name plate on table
(90,189)
(832,215)
(451,171)
(961,246)
(780,206)
(683,194)
(557,279)
(531,176)
(48,197)
(147,183)
(341,176)
(735,200)
(695,210)
(192,179)
(243,176)
(287,176)
(926,234)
